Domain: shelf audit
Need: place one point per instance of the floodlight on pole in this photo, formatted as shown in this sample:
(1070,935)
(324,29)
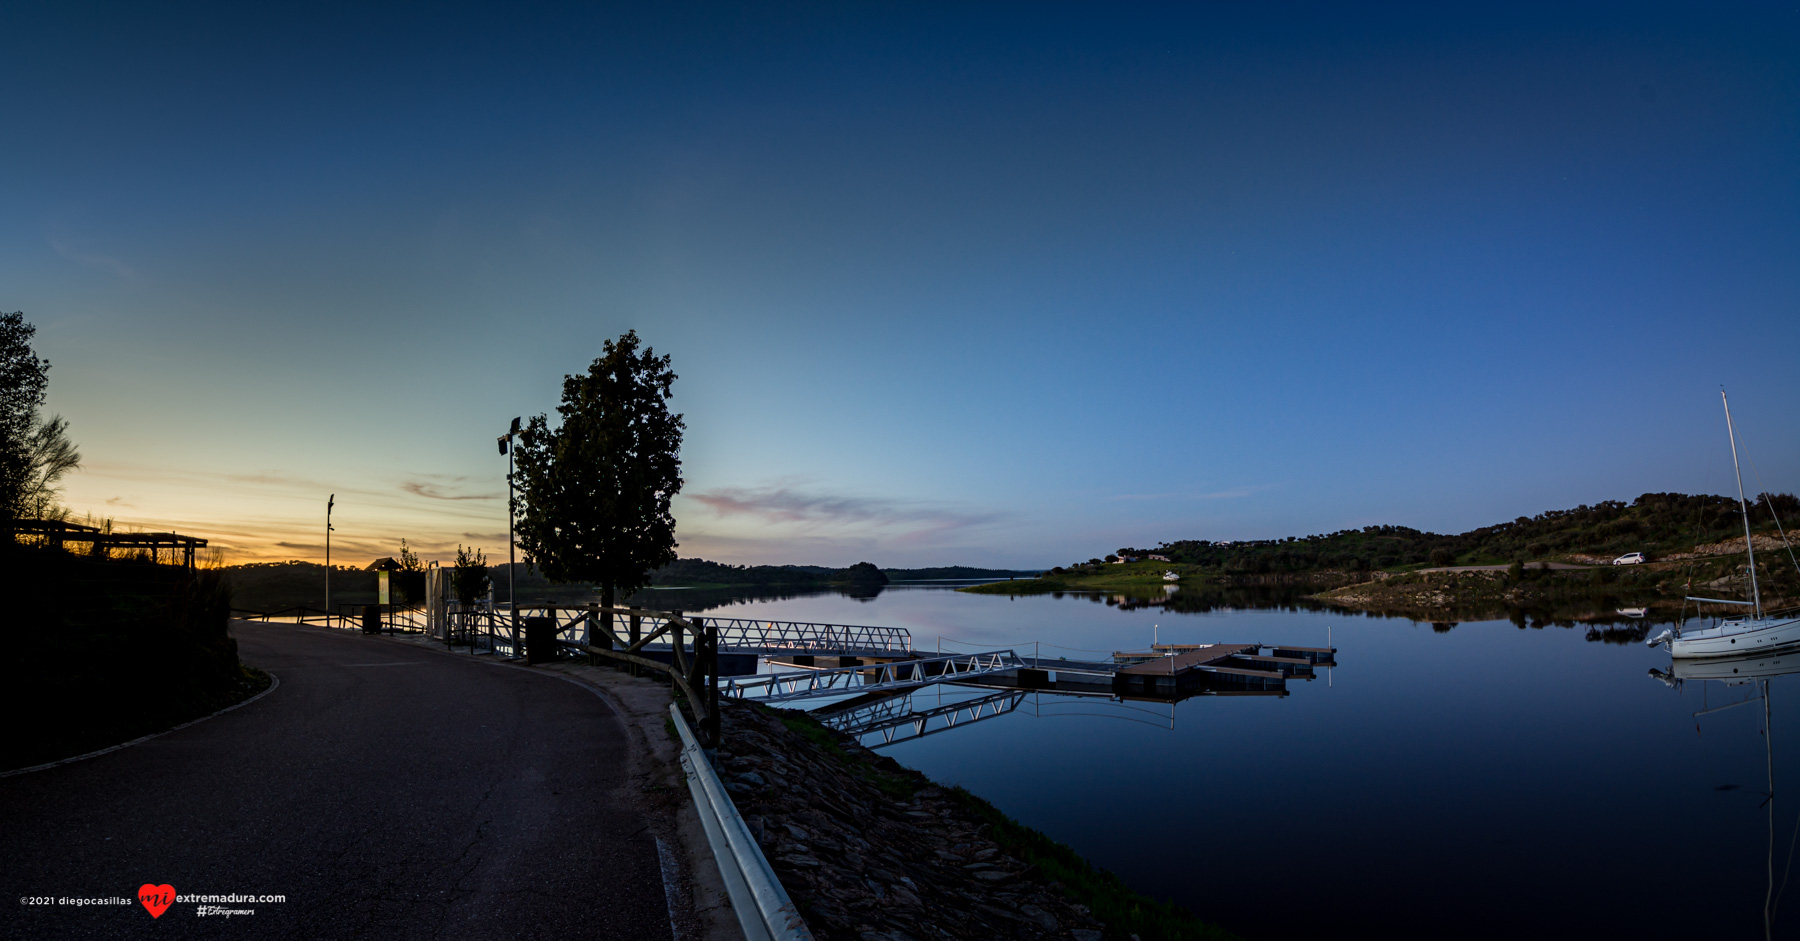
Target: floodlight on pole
(328,502)
(512,586)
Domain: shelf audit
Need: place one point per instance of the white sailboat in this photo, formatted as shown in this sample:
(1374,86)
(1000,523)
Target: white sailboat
(1733,637)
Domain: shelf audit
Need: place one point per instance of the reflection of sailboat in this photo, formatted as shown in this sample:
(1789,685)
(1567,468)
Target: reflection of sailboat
(1740,671)
(1732,637)
(1732,671)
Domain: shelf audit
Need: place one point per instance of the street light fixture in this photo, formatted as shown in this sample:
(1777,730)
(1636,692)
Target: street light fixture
(328,502)
(512,588)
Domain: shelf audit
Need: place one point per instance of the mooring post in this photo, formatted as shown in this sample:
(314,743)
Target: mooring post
(696,677)
(604,639)
(710,691)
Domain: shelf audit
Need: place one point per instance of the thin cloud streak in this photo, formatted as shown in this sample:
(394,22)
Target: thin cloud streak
(784,505)
(432,491)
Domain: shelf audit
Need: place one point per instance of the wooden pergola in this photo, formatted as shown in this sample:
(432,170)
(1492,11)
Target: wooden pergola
(58,533)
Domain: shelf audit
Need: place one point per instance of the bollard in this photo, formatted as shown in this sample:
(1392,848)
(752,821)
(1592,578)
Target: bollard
(540,640)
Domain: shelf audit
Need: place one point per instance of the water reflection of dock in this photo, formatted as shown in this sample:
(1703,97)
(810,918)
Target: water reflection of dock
(897,719)
(874,692)
(1164,672)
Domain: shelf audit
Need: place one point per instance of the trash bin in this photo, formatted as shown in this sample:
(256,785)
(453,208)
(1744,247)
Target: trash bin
(371,619)
(540,640)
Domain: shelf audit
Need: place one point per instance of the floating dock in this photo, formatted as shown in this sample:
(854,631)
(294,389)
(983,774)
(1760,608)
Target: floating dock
(1238,667)
(1170,671)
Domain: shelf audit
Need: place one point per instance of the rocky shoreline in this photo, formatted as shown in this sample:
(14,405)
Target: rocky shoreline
(1482,595)
(1577,595)
(869,849)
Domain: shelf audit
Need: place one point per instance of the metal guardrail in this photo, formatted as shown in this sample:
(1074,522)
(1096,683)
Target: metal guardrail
(763,908)
(875,677)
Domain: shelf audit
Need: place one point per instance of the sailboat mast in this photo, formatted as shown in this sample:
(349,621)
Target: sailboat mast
(1743,508)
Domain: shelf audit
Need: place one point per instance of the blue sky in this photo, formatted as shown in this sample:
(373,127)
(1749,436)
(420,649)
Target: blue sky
(981,284)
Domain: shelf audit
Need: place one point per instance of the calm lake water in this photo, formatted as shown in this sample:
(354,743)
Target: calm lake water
(1483,781)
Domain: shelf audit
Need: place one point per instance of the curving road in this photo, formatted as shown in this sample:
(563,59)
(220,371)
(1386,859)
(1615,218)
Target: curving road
(388,791)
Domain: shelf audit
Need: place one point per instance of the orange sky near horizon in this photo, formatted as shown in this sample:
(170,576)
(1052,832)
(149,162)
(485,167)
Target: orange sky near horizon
(275,516)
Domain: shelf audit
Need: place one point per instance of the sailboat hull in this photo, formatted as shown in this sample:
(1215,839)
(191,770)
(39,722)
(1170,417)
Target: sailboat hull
(1736,639)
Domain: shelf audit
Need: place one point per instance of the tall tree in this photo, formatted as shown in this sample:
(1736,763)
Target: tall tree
(410,578)
(33,453)
(470,578)
(594,493)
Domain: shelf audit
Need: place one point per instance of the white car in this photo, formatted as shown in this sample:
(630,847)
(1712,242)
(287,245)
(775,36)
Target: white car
(1630,558)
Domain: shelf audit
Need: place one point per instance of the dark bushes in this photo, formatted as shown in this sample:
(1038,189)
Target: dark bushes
(105,651)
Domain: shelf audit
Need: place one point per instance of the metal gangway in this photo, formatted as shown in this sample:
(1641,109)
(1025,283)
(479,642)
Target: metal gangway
(869,678)
(579,624)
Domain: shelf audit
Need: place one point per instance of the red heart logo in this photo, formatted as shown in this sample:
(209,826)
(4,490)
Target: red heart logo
(156,898)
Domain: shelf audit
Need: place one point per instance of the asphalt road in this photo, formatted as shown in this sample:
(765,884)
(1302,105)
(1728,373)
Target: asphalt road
(388,791)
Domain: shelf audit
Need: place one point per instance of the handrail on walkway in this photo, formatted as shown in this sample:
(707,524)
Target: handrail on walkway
(737,633)
(393,617)
(869,678)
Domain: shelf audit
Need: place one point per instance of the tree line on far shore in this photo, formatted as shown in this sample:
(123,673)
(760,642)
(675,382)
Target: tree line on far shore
(1654,523)
(272,586)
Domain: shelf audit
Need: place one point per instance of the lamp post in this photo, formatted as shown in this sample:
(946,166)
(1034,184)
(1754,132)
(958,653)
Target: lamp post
(512,591)
(328,502)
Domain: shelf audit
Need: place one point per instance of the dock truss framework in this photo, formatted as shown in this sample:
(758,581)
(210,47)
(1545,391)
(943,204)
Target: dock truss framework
(869,678)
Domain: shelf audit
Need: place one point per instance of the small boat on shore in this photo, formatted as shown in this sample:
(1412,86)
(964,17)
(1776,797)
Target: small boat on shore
(1732,637)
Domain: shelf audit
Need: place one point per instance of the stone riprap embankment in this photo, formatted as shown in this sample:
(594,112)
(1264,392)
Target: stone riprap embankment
(1480,594)
(871,850)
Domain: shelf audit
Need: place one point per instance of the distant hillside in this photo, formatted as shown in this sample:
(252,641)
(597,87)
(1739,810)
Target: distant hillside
(694,572)
(703,572)
(272,586)
(956,573)
(1655,523)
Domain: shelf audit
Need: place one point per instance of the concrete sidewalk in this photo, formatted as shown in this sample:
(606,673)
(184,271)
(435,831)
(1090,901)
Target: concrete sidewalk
(386,790)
